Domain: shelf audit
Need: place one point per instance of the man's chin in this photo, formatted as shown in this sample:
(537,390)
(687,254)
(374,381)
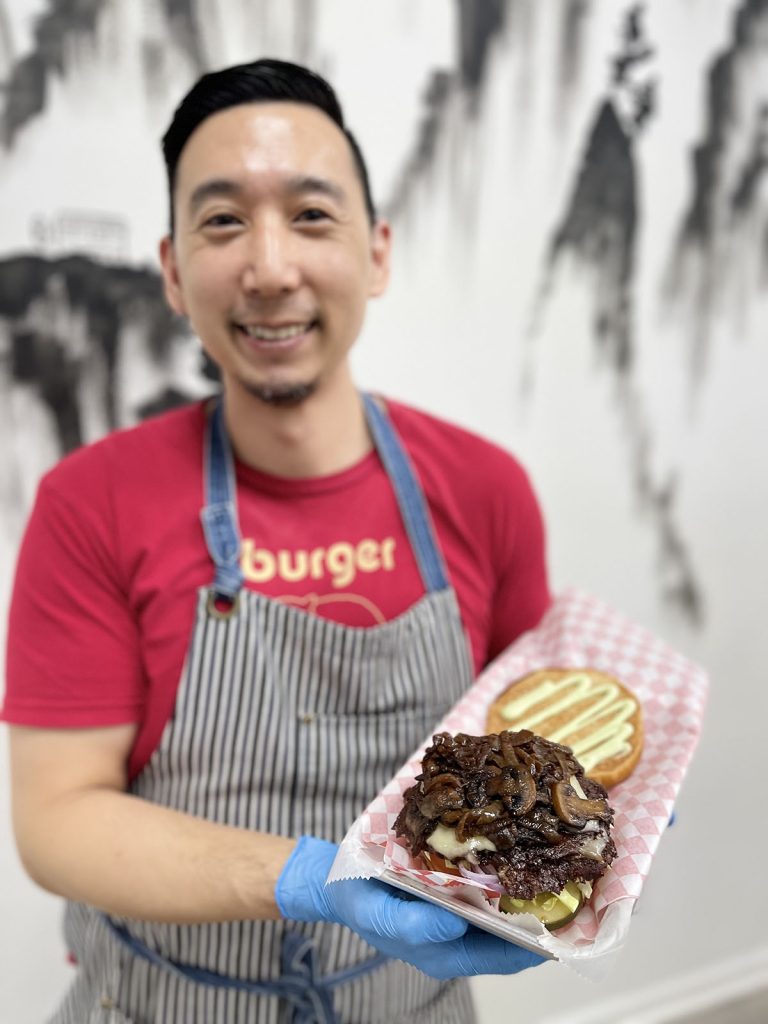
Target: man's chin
(282,395)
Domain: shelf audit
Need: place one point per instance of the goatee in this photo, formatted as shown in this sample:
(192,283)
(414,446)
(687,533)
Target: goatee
(283,395)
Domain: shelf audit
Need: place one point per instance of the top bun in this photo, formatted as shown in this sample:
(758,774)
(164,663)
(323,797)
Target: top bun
(589,711)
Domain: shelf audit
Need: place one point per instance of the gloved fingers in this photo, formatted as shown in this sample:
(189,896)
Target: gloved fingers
(400,925)
(474,953)
(417,922)
(375,909)
(488,954)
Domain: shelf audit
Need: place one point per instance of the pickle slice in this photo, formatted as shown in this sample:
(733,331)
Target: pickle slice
(553,909)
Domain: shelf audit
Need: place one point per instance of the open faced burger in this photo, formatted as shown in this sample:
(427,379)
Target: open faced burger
(516,808)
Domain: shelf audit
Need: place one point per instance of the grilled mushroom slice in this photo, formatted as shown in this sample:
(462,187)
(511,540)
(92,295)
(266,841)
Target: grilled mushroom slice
(517,789)
(574,810)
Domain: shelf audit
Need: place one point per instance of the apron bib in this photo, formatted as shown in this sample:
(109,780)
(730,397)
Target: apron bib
(286,723)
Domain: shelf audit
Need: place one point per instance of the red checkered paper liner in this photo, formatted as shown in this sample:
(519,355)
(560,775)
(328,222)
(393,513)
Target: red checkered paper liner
(578,631)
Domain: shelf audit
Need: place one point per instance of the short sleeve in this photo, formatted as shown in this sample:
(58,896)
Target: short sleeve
(522,589)
(73,657)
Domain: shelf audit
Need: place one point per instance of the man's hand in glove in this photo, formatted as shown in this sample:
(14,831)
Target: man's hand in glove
(439,943)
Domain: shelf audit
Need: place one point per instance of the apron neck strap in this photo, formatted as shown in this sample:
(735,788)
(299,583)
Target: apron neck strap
(410,496)
(219,515)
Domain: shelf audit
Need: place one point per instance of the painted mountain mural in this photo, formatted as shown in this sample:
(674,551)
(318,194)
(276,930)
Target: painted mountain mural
(559,118)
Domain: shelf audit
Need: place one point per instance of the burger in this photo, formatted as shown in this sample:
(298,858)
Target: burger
(515,812)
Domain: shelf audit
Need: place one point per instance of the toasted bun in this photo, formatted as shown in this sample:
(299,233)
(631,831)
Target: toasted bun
(602,722)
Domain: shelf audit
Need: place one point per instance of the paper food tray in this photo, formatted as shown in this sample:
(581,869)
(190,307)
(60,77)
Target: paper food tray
(578,631)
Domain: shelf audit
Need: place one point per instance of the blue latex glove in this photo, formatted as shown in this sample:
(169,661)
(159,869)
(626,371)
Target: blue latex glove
(441,944)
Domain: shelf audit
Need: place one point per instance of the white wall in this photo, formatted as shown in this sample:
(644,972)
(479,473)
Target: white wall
(466,300)
(453,336)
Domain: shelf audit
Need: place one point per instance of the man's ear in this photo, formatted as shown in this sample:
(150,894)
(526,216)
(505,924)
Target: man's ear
(171,283)
(381,248)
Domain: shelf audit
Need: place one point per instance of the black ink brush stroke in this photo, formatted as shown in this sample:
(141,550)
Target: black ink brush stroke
(573,15)
(479,25)
(600,226)
(599,229)
(109,297)
(64,21)
(724,193)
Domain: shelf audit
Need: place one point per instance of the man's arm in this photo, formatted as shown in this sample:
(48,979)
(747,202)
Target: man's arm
(81,836)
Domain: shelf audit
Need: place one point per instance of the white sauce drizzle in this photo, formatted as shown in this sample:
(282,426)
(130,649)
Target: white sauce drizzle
(610,739)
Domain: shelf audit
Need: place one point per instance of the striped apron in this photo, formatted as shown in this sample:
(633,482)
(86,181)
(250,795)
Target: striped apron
(285,723)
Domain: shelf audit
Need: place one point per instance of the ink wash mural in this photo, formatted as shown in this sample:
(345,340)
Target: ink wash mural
(579,198)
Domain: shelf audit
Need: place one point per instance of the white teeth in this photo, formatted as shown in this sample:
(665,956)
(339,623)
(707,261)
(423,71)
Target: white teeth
(275,333)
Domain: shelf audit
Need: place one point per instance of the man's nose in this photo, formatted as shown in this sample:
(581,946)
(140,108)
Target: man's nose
(271,265)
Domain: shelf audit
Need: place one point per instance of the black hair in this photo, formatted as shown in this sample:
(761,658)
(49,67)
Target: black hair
(262,80)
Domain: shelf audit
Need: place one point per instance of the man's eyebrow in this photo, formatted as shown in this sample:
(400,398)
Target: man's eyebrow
(213,188)
(299,185)
(309,183)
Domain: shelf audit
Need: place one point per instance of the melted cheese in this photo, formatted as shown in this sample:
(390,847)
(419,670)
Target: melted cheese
(443,841)
(593,848)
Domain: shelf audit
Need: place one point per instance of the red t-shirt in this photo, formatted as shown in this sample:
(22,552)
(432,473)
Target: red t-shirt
(114,554)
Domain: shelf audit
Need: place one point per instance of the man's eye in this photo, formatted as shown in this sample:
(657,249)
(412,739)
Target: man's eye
(313,214)
(220,220)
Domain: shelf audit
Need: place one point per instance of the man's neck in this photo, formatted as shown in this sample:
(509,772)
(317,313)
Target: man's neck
(325,433)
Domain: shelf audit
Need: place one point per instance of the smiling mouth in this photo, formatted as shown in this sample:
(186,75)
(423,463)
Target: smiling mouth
(284,333)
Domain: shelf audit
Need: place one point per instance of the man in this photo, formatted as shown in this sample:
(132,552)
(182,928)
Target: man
(185,794)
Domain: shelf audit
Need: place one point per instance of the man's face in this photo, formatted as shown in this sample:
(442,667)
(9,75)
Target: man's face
(273,258)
